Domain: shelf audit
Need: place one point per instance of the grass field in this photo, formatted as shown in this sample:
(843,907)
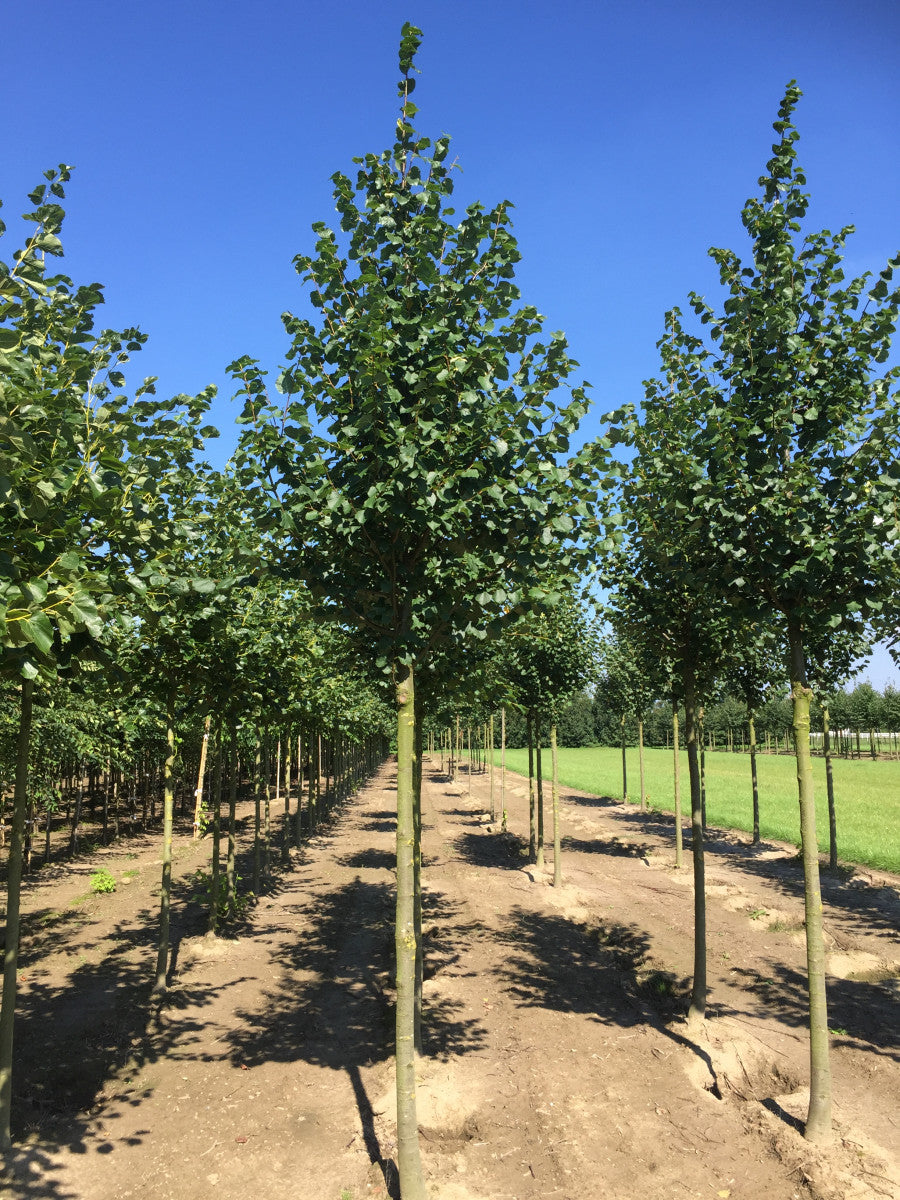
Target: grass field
(867,794)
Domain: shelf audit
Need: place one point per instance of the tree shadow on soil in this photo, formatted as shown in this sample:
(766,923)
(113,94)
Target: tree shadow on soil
(860,1011)
(80,1037)
(334,1006)
(612,846)
(599,972)
(73,1038)
(590,801)
(384,860)
(867,906)
(503,851)
(603,972)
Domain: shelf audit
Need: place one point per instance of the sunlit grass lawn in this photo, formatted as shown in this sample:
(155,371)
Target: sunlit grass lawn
(867,794)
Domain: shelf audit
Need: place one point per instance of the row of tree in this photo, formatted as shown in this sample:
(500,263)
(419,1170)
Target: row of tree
(404,512)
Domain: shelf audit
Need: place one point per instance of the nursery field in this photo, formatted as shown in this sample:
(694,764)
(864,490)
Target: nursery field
(867,794)
(556,1062)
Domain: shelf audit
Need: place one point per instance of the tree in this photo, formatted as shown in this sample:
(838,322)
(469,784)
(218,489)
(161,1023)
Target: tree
(753,671)
(82,469)
(425,496)
(548,656)
(627,686)
(801,465)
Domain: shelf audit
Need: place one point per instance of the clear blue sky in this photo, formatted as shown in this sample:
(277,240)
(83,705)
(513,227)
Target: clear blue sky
(627,134)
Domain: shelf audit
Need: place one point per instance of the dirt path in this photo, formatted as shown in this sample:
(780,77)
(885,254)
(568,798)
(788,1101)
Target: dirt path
(555,1064)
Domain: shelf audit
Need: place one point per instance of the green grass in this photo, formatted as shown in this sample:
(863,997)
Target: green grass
(867,794)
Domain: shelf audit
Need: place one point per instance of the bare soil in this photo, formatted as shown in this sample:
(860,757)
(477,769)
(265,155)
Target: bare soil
(557,1061)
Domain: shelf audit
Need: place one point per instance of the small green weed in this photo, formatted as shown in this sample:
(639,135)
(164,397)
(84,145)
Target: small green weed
(838,1032)
(346,1194)
(237,910)
(756,913)
(130,873)
(102,881)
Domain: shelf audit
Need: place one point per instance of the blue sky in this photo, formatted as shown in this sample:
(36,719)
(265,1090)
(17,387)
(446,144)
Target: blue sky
(627,135)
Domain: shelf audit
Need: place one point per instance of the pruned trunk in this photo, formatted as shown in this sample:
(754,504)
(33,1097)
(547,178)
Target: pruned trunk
(503,768)
(624,764)
(532,805)
(216,804)
(557,841)
(165,893)
(679,847)
(699,739)
(818,1121)
(201,772)
(231,862)
(417,869)
(539,775)
(491,767)
(754,780)
(412,1185)
(641,763)
(697,1010)
(257,815)
(829,786)
(13,896)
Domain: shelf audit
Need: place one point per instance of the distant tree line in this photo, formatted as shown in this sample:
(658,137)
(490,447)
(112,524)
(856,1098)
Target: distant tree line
(863,721)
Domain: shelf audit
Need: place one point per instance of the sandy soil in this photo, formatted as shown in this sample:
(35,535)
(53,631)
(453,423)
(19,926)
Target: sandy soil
(557,1062)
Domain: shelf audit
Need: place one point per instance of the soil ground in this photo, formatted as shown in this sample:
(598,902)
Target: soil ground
(557,1063)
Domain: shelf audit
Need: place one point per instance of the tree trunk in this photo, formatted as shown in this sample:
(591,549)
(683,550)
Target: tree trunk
(216,805)
(697,1009)
(298,828)
(539,776)
(286,827)
(412,1185)
(417,870)
(624,764)
(818,1121)
(829,785)
(257,815)
(198,794)
(754,780)
(13,897)
(491,767)
(702,770)
(557,841)
(679,848)
(165,894)
(503,768)
(267,800)
(532,805)
(231,863)
(76,816)
(641,763)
